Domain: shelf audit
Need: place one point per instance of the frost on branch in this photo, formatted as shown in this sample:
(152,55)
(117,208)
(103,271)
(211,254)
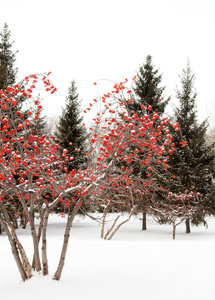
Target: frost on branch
(139,147)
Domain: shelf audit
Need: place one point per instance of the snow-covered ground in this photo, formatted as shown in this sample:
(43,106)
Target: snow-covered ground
(133,265)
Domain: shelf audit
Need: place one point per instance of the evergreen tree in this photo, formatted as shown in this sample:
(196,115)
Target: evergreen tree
(148,90)
(8,71)
(40,124)
(194,163)
(70,131)
(149,93)
(8,74)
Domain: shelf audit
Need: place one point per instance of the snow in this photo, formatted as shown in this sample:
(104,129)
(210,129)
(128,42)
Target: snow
(135,264)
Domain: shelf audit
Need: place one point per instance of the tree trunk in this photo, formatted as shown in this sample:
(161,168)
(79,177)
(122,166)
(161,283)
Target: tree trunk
(14,251)
(69,224)
(44,244)
(24,257)
(39,231)
(30,216)
(36,246)
(144,221)
(18,261)
(70,219)
(58,273)
(117,228)
(114,223)
(103,224)
(173,231)
(15,223)
(103,220)
(23,220)
(187,222)
(38,238)
(174,224)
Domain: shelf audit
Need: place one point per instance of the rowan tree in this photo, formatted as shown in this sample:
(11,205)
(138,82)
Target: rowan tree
(177,208)
(8,74)
(35,170)
(31,167)
(120,131)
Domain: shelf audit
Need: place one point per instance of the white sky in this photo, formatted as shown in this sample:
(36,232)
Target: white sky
(86,41)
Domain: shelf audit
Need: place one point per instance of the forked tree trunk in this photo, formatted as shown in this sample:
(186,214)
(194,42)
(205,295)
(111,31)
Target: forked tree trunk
(14,251)
(117,228)
(23,255)
(114,223)
(18,261)
(174,227)
(187,222)
(144,221)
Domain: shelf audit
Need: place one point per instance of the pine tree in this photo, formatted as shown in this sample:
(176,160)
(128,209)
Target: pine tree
(194,163)
(8,72)
(149,94)
(40,124)
(148,89)
(70,130)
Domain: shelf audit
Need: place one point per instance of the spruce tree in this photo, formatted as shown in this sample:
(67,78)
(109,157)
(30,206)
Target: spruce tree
(149,93)
(70,130)
(8,72)
(194,163)
(148,89)
(40,124)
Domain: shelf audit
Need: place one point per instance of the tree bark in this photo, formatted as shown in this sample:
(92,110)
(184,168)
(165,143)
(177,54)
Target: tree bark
(174,224)
(59,270)
(173,231)
(38,238)
(114,223)
(33,233)
(69,223)
(24,257)
(117,228)
(187,222)
(23,220)
(103,220)
(44,243)
(14,251)
(70,219)
(36,246)
(39,231)
(144,221)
